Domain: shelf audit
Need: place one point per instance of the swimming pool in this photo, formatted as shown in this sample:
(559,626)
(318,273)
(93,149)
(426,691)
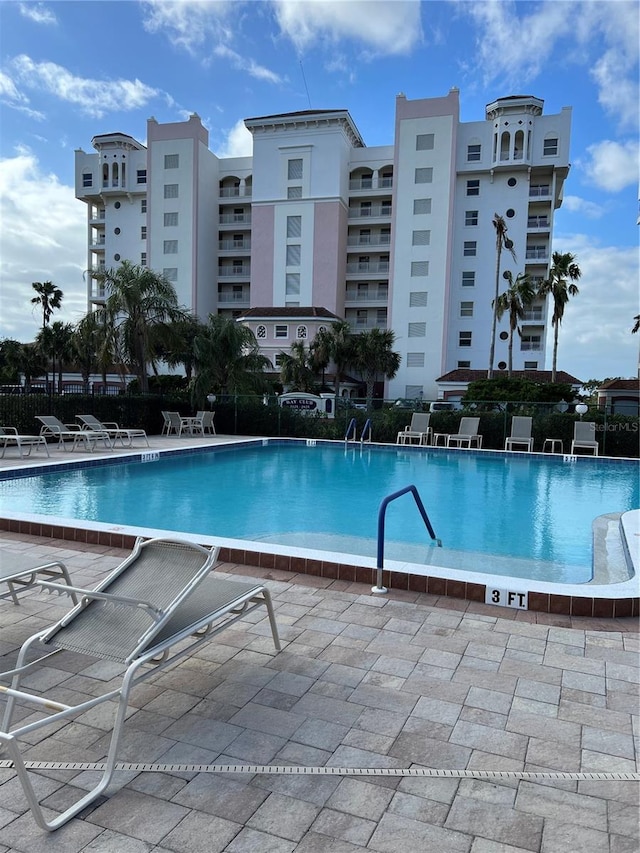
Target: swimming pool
(525,515)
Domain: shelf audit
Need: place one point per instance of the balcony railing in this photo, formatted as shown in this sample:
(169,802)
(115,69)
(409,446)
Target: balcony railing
(372,295)
(538,222)
(369,240)
(366,325)
(368,267)
(235,218)
(234,297)
(529,346)
(227,271)
(234,192)
(368,212)
(539,191)
(540,254)
(371,184)
(533,316)
(234,245)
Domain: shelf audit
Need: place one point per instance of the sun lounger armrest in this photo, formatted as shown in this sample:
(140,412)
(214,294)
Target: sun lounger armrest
(8,432)
(154,611)
(110,424)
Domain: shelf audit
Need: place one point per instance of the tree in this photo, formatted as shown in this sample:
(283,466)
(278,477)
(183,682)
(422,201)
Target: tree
(502,241)
(140,306)
(32,364)
(296,371)
(514,302)
(337,343)
(560,285)
(227,360)
(372,354)
(178,349)
(84,345)
(49,297)
(10,354)
(55,342)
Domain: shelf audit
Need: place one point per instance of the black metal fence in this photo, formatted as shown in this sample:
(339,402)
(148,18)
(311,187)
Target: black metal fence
(617,435)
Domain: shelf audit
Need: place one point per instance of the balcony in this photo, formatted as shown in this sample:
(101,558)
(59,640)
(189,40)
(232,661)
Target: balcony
(540,191)
(369,240)
(243,271)
(537,253)
(239,300)
(538,223)
(373,211)
(235,218)
(368,184)
(380,267)
(235,192)
(530,346)
(533,315)
(365,325)
(372,294)
(234,245)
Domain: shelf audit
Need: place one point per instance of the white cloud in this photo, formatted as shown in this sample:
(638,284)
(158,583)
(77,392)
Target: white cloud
(190,24)
(239,142)
(575,204)
(248,65)
(38,13)
(612,166)
(43,238)
(595,339)
(95,98)
(384,28)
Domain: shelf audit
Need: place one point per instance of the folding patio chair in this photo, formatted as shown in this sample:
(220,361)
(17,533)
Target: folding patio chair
(10,436)
(520,433)
(162,595)
(467,434)
(418,430)
(113,430)
(206,419)
(584,437)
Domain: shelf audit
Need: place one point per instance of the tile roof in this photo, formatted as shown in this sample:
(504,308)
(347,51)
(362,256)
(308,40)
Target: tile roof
(467,375)
(288,313)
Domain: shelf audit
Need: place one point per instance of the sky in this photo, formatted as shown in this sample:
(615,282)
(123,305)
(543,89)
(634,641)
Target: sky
(73,69)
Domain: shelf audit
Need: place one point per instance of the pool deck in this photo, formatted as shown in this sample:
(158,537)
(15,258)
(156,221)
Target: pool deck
(405,680)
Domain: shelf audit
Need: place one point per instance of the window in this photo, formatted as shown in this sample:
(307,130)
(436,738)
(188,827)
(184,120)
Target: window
(170,247)
(364,237)
(171,161)
(469,250)
(421,205)
(143,205)
(294,192)
(278,359)
(261,332)
(116,231)
(143,259)
(417,330)
(141,176)
(301,333)
(170,273)
(117,205)
(471,217)
(424,176)
(415,359)
(466,309)
(282,332)
(419,268)
(170,219)
(293,255)
(294,170)
(530,342)
(550,146)
(474,153)
(468,278)
(418,299)
(512,182)
(143,232)
(171,191)
(421,238)
(294,226)
(292,284)
(464,339)
(463,364)
(365,208)
(473,187)
(87,179)
(424,142)
(531,365)
(504,336)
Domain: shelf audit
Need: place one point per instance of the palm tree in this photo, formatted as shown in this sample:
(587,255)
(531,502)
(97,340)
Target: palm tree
(84,345)
(320,353)
(227,360)
(373,354)
(338,344)
(514,302)
(140,305)
(178,349)
(49,297)
(32,364)
(502,241)
(296,372)
(560,285)
(54,342)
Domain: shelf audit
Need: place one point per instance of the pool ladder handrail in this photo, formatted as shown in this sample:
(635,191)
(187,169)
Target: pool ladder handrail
(379,589)
(366,430)
(352,428)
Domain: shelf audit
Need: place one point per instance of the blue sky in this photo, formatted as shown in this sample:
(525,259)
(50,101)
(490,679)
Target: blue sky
(71,70)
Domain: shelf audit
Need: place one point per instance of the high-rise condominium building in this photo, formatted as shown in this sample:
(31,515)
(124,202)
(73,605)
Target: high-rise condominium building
(397,236)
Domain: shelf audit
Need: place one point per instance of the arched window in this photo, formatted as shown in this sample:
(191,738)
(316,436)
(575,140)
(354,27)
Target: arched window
(518,152)
(505,141)
(301,333)
(261,332)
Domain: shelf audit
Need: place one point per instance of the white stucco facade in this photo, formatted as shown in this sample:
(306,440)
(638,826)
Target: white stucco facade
(397,236)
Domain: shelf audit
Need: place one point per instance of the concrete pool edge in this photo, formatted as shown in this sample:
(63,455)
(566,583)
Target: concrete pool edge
(613,600)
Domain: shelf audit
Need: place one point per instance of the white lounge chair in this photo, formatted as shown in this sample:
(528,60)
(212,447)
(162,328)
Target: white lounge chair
(113,430)
(467,435)
(10,436)
(206,420)
(54,428)
(20,573)
(520,433)
(418,431)
(159,604)
(584,437)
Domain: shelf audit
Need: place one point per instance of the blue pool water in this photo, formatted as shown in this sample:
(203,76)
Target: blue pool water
(327,497)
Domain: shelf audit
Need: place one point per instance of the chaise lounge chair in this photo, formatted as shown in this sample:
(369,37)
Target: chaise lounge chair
(20,572)
(417,431)
(584,437)
(520,434)
(158,604)
(10,436)
(54,428)
(467,434)
(115,432)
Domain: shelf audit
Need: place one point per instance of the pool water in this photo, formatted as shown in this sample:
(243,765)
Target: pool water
(510,510)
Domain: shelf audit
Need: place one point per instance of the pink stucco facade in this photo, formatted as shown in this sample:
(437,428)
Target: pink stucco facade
(329,255)
(262,254)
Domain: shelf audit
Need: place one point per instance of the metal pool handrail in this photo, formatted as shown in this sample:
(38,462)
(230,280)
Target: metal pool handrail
(352,428)
(381,519)
(366,429)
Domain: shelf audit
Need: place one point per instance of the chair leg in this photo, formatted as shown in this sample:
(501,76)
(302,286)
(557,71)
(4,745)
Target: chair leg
(272,619)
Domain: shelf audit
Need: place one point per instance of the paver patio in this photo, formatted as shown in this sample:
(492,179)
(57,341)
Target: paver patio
(399,681)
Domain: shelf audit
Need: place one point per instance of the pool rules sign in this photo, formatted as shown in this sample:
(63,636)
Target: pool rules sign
(506,598)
